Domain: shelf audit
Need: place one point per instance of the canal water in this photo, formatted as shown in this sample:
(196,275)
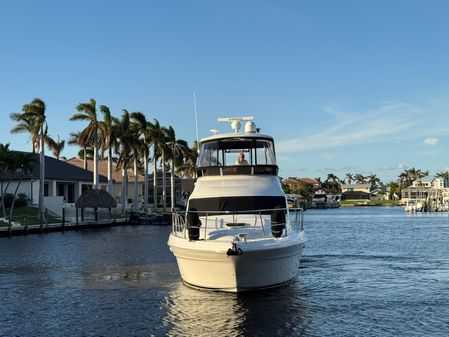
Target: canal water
(365,272)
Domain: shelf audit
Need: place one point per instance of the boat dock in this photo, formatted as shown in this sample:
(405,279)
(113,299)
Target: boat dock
(133,218)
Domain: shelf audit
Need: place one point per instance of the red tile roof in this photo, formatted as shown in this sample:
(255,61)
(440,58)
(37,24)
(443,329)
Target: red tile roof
(103,169)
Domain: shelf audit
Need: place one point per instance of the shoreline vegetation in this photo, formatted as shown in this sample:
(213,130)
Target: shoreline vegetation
(135,143)
(361,190)
(130,141)
(370,203)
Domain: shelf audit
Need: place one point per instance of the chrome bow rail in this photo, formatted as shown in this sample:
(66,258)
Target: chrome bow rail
(263,219)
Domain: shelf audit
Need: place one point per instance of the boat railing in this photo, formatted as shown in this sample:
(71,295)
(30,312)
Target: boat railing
(274,222)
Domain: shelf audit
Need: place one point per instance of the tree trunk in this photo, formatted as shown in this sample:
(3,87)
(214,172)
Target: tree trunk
(123,191)
(136,185)
(1,192)
(42,174)
(96,175)
(85,158)
(3,198)
(14,200)
(164,185)
(110,170)
(155,183)
(172,186)
(145,184)
(126,188)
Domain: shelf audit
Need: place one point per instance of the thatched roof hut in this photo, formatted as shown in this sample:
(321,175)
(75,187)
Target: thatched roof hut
(94,198)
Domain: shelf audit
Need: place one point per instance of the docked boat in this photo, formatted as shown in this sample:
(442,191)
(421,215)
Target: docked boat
(415,205)
(320,200)
(237,233)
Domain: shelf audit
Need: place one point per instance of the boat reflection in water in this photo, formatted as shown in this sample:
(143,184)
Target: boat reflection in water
(283,311)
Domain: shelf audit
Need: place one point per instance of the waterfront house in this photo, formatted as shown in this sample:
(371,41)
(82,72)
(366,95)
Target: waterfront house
(433,192)
(379,192)
(355,191)
(294,183)
(117,177)
(64,183)
(363,192)
(181,185)
(183,188)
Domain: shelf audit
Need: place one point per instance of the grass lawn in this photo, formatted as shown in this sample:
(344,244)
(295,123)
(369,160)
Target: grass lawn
(370,202)
(30,213)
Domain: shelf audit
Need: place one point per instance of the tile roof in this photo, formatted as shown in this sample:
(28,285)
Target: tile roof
(59,170)
(103,169)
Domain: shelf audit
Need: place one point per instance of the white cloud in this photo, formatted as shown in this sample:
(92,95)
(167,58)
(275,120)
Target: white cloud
(431,141)
(356,128)
(396,167)
(391,122)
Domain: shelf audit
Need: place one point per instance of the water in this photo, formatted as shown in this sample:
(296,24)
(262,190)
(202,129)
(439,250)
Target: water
(365,272)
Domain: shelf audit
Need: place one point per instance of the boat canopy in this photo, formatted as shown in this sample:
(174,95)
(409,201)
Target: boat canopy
(220,156)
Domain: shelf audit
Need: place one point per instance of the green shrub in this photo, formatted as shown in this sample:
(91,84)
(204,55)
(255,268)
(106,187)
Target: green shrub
(22,200)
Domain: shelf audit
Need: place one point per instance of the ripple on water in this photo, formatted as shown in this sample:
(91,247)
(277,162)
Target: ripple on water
(365,272)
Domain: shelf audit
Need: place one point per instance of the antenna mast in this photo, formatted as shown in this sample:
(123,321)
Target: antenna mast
(196,117)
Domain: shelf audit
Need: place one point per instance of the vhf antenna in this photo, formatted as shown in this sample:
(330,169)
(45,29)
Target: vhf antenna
(196,121)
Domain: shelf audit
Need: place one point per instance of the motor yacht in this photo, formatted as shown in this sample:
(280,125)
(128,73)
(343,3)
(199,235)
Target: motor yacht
(237,233)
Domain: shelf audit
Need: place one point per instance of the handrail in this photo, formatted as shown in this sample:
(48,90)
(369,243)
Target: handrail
(250,211)
(293,221)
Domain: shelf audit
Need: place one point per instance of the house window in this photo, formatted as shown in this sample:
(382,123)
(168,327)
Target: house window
(61,190)
(46,190)
(71,193)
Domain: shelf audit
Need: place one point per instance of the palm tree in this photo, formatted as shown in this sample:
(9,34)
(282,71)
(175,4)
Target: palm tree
(33,114)
(158,140)
(403,180)
(90,135)
(188,167)
(144,131)
(108,141)
(360,179)
(177,152)
(443,174)
(408,176)
(349,177)
(165,154)
(86,151)
(126,137)
(26,124)
(138,148)
(373,179)
(56,146)
(333,178)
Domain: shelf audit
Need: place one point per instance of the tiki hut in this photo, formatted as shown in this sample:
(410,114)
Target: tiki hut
(95,199)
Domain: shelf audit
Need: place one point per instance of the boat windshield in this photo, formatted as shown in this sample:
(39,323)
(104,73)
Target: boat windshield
(229,151)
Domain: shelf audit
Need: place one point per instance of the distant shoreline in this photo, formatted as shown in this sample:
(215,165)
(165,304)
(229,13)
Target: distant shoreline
(370,203)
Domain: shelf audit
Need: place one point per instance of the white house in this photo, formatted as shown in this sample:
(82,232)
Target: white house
(117,178)
(63,185)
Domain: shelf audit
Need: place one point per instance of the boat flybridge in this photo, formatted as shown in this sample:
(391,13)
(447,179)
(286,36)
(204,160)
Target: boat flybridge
(237,233)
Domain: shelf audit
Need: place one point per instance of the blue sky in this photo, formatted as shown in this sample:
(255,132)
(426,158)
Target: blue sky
(343,86)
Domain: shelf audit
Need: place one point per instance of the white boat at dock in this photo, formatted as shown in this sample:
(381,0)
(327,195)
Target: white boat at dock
(237,233)
(321,199)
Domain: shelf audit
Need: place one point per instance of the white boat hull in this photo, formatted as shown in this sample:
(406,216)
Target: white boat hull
(262,264)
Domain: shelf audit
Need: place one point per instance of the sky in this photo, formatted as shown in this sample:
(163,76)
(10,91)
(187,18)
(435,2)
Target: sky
(343,86)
